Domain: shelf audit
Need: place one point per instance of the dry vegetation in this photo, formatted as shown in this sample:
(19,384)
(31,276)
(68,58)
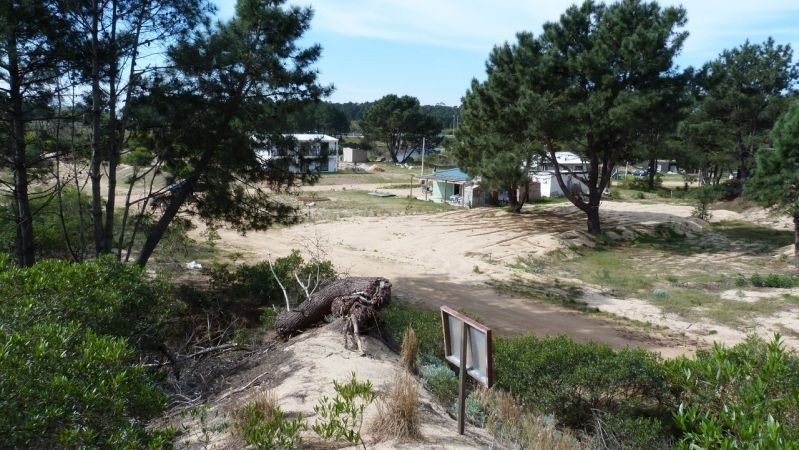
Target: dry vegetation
(409,351)
(398,412)
(513,426)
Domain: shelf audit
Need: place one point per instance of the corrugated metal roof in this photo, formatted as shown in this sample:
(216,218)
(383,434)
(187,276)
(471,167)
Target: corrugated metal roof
(454,174)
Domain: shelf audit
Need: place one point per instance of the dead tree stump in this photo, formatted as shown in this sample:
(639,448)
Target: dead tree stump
(356,297)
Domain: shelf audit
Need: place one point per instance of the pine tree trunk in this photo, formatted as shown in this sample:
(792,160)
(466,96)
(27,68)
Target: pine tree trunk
(113,153)
(796,241)
(96,158)
(651,174)
(24,217)
(592,214)
(376,289)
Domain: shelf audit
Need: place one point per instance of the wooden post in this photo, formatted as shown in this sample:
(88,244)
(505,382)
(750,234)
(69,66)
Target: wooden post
(410,195)
(462,389)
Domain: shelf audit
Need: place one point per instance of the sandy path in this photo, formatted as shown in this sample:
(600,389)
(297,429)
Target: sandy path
(431,260)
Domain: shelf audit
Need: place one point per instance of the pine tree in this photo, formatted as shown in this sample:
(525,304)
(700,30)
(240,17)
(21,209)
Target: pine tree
(230,90)
(775,180)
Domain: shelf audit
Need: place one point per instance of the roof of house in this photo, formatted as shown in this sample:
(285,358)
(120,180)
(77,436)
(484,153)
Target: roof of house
(455,174)
(568,158)
(304,137)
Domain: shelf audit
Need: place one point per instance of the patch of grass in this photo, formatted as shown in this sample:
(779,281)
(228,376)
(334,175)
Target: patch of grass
(791,299)
(774,280)
(767,238)
(684,301)
(512,425)
(561,294)
(530,265)
(399,186)
(549,201)
(740,314)
(340,178)
(358,203)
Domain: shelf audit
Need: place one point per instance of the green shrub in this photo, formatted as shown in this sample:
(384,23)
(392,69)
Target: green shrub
(571,380)
(633,433)
(65,386)
(440,380)
(425,323)
(774,280)
(268,315)
(746,396)
(341,417)
(67,359)
(252,287)
(269,430)
(138,157)
(475,412)
(703,198)
(105,296)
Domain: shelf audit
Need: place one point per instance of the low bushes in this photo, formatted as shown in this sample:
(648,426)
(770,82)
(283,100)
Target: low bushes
(440,380)
(572,380)
(744,396)
(68,335)
(248,288)
(263,424)
(735,397)
(426,325)
(774,280)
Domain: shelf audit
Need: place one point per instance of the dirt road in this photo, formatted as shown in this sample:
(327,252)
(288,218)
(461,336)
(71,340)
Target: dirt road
(445,259)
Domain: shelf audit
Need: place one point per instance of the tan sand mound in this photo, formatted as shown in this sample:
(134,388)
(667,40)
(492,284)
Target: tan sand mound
(302,371)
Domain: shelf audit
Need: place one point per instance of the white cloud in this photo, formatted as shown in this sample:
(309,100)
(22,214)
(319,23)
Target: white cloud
(479,25)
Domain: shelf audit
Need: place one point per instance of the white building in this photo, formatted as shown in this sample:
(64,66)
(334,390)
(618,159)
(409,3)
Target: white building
(355,155)
(319,152)
(545,182)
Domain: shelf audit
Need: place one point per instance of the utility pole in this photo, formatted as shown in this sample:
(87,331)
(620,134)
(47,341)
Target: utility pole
(421,173)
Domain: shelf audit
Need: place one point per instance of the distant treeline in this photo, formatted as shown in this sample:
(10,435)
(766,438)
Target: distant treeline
(447,115)
(335,118)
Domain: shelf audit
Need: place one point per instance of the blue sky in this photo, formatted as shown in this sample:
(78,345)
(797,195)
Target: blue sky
(432,49)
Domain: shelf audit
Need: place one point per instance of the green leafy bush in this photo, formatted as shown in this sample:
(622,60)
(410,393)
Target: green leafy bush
(252,287)
(268,314)
(774,280)
(269,430)
(425,323)
(105,296)
(633,433)
(571,379)
(703,198)
(440,380)
(746,396)
(66,386)
(341,417)
(67,358)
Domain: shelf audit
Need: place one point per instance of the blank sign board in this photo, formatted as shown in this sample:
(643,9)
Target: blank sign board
(479,361)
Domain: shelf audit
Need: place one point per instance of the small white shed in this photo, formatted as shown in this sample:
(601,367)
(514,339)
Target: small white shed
(355,155)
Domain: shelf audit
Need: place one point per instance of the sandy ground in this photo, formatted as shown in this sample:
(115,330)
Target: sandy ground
(303,371)
(431,260)
(446,259)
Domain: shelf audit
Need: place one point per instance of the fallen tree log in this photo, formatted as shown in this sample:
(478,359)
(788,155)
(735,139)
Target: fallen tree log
(359,296)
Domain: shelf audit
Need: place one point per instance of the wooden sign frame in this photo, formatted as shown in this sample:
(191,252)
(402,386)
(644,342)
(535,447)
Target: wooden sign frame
(467,326)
